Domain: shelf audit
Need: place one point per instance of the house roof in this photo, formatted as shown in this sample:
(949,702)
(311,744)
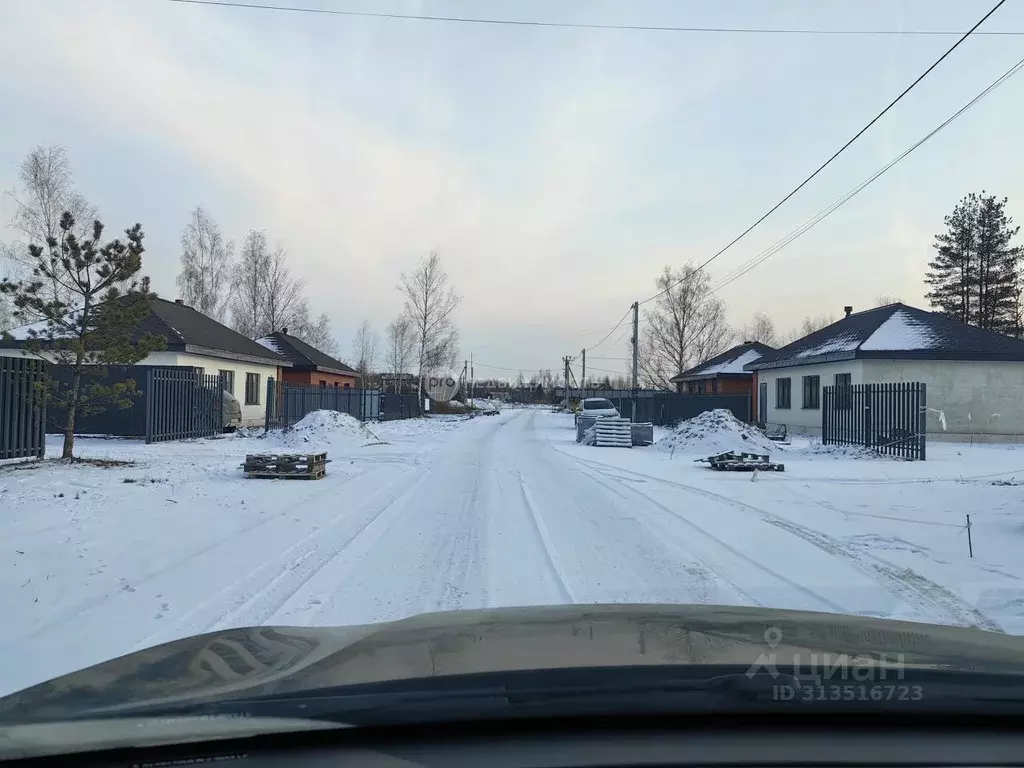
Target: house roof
(729,363)
(304,356)
(895,331)
(190,330)
(186,330)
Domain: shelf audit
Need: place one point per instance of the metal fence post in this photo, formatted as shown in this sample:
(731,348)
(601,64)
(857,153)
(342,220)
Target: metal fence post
(150,406)
(922,424)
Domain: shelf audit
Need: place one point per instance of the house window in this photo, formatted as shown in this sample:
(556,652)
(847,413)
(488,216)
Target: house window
(812,392)
(347,385)
(252,389)
(844,391)
(783,393)
(323,383)
(227,381)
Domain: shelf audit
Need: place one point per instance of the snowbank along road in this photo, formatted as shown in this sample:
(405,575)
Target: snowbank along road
(434,515)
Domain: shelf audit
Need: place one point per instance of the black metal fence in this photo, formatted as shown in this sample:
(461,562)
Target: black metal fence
(112,420)
(288,403)
(22,408)
(182,404)
(403,405)
(889,418)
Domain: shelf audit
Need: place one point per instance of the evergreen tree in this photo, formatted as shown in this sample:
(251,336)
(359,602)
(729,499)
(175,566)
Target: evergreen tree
(998,262)
(951,274)
(90,322)
(975,274)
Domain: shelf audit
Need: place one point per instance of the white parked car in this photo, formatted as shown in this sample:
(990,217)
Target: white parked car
(232,412)
(596,406)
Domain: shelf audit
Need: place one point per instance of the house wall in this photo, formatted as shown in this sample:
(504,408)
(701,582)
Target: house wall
(253,415)
(715,386)
(982,401)
(314,378)
(797,418)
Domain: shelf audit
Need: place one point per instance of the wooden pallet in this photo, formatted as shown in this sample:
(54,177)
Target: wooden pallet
(308,466)
(731,461)
(315,475)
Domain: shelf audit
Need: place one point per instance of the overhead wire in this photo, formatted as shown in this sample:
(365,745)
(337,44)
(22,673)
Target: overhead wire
(587,25)
(614,328)
(836,154)
(766,254)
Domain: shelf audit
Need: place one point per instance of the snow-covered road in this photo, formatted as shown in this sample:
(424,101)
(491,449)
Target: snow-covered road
(496,511)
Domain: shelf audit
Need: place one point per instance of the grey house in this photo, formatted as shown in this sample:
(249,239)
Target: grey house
(975,378)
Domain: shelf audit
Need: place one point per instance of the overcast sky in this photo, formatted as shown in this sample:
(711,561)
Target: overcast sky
(556,171)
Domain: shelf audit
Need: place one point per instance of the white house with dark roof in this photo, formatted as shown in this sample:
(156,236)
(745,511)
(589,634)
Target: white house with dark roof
(195,340)
(974,378)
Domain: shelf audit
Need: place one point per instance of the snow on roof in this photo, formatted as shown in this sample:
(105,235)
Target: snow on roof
(735,365)
(901,331)
(270,344)
(41,328)
(833,345)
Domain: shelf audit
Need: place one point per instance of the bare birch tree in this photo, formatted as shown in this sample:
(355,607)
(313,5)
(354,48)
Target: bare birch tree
(266,297)
(685,327)
(318,334)
(205,265)
(364,349)
(285,297)
(247,297)
(430,304)
(761,328)
(47,192)
(401,346)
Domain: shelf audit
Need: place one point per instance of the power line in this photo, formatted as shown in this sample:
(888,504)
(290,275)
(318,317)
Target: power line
(826,212)
(615,328)
(838,152)
(595,26)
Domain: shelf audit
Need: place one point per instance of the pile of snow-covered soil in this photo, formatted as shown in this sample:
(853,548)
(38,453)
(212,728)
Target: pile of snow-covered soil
(714,432)
(321,430)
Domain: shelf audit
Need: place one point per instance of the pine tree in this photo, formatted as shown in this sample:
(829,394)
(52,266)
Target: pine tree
(998,262)
(975,275)
(90,322)
(951,274)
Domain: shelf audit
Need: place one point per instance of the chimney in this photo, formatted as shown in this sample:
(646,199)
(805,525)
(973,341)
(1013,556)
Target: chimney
(180,301)
(748,341)
(848,309)
(285,330)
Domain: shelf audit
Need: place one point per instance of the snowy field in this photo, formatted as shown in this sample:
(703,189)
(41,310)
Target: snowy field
(449,512)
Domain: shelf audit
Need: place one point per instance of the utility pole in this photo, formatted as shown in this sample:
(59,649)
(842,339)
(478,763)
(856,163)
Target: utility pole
(583,376)
(636,344)
(472,378)
(565,389)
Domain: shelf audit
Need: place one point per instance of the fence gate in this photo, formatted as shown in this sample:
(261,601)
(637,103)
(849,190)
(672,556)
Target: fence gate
(889,418)
(22,408)
(182,404)
(399,405)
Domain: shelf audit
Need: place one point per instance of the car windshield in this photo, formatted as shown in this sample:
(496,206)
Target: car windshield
(321,317)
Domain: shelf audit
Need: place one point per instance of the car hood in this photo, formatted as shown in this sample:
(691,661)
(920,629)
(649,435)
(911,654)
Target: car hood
(272,660)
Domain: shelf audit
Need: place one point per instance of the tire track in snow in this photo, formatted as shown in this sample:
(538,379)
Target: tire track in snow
(268,588)
(903,583)
(545,541)
(735,553)
(679,545)
(73,612)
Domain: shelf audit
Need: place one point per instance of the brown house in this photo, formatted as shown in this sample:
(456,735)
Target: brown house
(723,374)
(310,366)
